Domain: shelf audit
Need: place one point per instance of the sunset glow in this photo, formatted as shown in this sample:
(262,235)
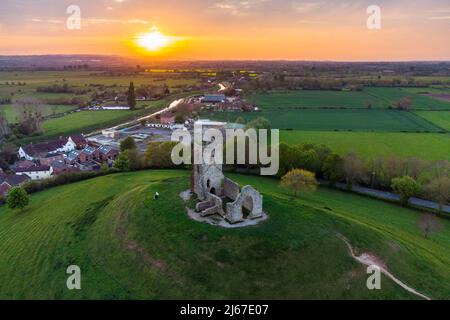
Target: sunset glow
(154,40)
(230,29)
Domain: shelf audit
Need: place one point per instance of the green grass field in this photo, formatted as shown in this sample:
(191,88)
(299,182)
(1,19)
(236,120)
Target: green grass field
(80,78)
(87,121)
(441,118)
(330,120)
(81,122)
(430,146)
(46,110)
(129,246)
(380,98)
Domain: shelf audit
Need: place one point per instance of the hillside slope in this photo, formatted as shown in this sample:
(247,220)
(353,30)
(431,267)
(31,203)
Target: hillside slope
(130,246)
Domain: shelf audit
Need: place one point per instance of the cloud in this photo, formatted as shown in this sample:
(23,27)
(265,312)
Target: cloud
(306,7)
(440,18)
(94,21)
(311,22)
(239,8)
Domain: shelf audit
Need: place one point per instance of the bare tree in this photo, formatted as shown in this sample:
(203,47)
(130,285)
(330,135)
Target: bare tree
(352,168)
(429,224)
(414,167)
(29,116)
(4,126)
(439,190)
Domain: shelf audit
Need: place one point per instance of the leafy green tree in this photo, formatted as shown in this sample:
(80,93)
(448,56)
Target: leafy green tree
(406,187)
(241,120)
(18,198)
(299,180)
(131,97)
(330,167)
(158,154)
(259,123)
(135,160)
(122,163)
(128,144)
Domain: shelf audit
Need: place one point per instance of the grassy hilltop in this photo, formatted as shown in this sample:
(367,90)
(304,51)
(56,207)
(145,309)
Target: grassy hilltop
(130,246)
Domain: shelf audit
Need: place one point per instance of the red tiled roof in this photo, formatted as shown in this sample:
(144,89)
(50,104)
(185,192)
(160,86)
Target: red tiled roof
(13,179)
(34,168)
(35,150)
(23,164)
(79,139)
(4,188)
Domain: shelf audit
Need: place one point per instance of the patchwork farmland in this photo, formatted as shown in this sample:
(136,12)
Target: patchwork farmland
(364,121)
(375,97)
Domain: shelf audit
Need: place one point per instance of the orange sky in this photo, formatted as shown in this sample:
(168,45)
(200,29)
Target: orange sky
(232,29)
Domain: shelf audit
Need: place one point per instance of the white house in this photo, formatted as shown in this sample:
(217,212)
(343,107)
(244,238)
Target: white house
(36,172)
(35,151)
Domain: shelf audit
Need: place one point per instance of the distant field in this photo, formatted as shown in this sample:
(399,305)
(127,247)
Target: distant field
(78,79)
(310,99)
(431,146)
(329,120)
(388,96)
(441,119)
(376,97)
(86,121)
(46,110)
(80,121)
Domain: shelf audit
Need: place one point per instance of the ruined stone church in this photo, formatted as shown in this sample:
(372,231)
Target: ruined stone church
(218,194)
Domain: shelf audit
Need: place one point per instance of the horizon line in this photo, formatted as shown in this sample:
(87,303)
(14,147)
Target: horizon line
(222,60)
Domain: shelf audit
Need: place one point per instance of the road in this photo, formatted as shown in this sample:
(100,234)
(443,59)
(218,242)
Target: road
(384,195)
(131,123)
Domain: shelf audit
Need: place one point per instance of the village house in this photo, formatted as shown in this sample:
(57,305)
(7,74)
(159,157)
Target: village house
(22,164)
(49,158)
(61,145)
(72,157)
(107,154)
(7,181)
(89,166)
(89,153)
(60,166)
(36,172)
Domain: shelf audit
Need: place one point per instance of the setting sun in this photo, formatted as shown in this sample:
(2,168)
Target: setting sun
(154,40)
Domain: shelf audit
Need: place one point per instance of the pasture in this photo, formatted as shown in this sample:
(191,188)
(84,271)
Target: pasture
(429,146)
(439,118)
(335,120)
(381,98)
(81,80)
(130,246)
(87,121)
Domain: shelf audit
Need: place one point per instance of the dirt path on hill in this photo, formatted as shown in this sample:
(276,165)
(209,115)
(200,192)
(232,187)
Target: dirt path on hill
(370,259)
